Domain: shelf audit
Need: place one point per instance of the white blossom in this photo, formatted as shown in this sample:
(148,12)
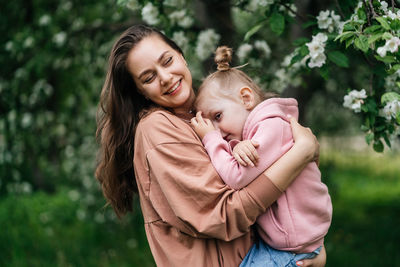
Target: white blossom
(290,12)
(317,61)
(206,43)
(316,50)
(181,18)
(26,120)
(181,40)
(354,100)
(133,5)
(262,46)
(28,42)
(244,51)
(74,195)
(150,14)
(60,38)
(9,46)
(324,20)
(392,44)
(382,51)
(44,20)
(384,5)
(391,109)
(174,3)
(320,38)
(254,5)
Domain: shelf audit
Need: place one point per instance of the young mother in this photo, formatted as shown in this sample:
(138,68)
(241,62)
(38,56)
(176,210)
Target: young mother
(148,146)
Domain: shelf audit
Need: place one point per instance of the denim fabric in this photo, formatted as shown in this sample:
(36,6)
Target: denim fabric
(262,255)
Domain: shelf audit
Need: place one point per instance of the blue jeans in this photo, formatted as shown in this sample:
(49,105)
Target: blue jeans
(261,255)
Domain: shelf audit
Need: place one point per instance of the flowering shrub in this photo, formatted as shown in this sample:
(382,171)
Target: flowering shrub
(371,30)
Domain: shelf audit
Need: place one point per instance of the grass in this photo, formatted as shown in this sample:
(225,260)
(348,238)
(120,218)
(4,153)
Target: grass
(43,230)
(365,190)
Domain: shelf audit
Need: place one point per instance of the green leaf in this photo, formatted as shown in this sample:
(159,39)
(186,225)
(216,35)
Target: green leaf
(350,41)
(387,36)
(364,128)
(344,36)
(308,24)
(393,69)
(277,23)
(387,59)
(374,38)
(387,141)
(372,28)
(324,72)
(362,43)
(339,58)
(301,41)
(390,96)
(253,31)
(304,51)
(398,117)
(378,146)
(395,25)
(295,59)
(361,14)
(369,137)
(348,27)
(383,22)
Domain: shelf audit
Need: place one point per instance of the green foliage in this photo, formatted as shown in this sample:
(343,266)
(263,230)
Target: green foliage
(45,230)
(365,190)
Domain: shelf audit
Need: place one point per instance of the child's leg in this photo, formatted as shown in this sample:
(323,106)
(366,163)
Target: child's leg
(261,254)
(303,256)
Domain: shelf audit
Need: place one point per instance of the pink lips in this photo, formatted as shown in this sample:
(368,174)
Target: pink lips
(177,89)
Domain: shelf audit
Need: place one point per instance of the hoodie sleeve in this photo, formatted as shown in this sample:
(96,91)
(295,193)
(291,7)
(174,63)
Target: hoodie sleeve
(274,137)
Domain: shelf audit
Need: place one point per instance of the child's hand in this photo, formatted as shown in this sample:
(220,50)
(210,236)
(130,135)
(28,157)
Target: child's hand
(245,153)
(201,125)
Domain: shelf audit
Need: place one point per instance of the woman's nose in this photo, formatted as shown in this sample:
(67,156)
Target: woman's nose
(165,77)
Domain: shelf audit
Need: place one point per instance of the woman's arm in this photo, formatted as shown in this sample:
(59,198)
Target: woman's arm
(187,193)
(289,166)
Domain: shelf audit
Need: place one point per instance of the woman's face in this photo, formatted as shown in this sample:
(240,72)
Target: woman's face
(161,74)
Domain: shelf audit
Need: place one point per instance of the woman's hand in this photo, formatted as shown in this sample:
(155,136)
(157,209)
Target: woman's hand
(305,140)
(318,261)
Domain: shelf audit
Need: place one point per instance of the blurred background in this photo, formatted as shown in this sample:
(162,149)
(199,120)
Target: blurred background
(53,57)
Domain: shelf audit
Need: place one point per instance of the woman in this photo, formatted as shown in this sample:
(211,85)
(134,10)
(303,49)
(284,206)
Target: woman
(191,217)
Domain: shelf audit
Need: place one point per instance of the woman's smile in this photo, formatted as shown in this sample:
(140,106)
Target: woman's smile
(161,74)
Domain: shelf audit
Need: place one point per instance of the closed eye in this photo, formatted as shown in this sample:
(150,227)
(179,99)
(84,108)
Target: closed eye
(167,61)
(149,78)
(218,116)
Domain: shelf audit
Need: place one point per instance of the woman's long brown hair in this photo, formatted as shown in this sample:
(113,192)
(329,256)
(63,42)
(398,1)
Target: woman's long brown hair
(120,109)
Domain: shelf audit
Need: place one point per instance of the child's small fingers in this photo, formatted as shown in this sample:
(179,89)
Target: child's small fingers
(248,150)
(239,159)
(247,159)
(254,143)
(198,116)
(193,121)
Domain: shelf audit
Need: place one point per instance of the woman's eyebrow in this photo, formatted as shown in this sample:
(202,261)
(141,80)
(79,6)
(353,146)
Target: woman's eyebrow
(158,60)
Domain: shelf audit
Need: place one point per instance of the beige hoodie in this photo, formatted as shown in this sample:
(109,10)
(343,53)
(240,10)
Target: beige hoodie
(191,217)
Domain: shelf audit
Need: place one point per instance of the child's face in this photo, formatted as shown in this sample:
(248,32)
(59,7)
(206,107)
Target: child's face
(227,115)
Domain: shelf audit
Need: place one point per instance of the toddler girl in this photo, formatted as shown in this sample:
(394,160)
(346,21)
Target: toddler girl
(235,109)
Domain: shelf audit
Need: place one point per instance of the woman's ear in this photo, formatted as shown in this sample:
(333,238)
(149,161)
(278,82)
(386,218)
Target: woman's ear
(247,96)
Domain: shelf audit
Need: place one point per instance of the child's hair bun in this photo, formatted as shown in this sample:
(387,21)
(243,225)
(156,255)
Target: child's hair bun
(223,56)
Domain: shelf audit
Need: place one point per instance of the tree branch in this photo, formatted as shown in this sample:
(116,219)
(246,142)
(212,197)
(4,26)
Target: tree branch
(339,9)
(294,12)
(372,9)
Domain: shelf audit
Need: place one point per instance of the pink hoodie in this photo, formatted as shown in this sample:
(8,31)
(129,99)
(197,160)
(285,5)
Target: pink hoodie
(300,218)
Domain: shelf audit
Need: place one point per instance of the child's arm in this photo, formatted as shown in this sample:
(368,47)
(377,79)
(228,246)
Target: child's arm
(201,126)
(268,135)
(245,153)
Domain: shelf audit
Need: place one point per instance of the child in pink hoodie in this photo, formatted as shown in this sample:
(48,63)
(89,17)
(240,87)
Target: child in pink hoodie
(295,225)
